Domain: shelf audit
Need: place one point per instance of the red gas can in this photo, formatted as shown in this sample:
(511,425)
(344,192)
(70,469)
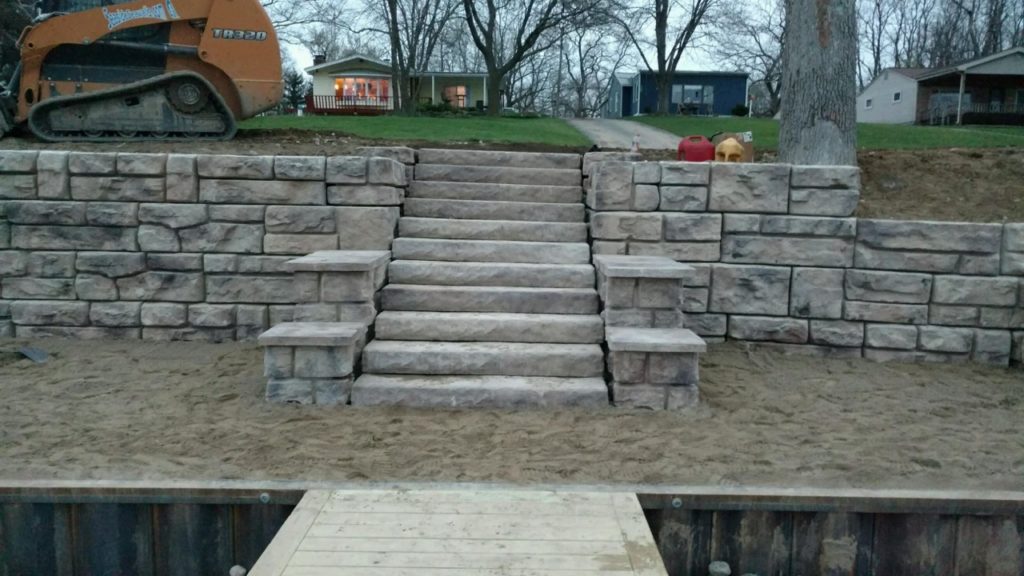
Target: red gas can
(696,149)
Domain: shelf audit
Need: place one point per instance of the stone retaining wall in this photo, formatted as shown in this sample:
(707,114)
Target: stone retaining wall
(176,246)
(780,259)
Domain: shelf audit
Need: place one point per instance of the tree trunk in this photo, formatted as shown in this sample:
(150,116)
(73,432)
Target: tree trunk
(819,81)
(663,82)
(494,104)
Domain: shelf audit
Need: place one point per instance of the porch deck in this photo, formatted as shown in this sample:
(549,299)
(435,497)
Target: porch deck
(453,532)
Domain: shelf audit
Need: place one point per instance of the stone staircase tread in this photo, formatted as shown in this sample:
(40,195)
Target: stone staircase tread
(498,158)
(479,391)
(493,210)
(658,340)
(499,192)
(450,250)
(472,229)
(512,299)
(490,327)
(434,272)
(483,358)
(498,174)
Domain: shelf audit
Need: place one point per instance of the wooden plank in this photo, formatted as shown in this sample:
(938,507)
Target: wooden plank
(255,526)
(636,535)
(62,540)
(330,571)
(832,543)
(193,539)
(542,508)
(462,546)
(275,558)
(512,523)
(683,538)
(112,539)
(470,496)
(356,561)
(27,540)
(989,546)
(753,541)
(920,544)
(518,530)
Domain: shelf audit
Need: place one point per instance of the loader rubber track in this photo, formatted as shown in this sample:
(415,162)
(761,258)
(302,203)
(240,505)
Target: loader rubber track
(139,112)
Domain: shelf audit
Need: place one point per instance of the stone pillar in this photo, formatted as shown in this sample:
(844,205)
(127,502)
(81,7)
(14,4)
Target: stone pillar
(311,362)
(655,368)
(345,285)
(641,291)
(653,359)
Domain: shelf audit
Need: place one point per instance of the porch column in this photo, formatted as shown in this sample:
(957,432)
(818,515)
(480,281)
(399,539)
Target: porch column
(960,99)
(433,90)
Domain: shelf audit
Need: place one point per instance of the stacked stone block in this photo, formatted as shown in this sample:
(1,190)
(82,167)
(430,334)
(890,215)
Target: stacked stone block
(339,286)
(777,258)
(653,360)
(312,362)
(654,368)
(641,291)
(177,246)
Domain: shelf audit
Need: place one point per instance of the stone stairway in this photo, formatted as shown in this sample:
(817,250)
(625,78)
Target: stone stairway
(491,298)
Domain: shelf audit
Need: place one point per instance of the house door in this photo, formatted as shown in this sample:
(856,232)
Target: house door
(996,96)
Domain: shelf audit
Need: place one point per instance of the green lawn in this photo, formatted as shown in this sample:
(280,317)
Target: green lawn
(550,131)
(869,136)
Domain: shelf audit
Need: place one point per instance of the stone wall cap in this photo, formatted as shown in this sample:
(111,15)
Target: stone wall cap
(618,266)
(340,261)
(313,334)
(653,340)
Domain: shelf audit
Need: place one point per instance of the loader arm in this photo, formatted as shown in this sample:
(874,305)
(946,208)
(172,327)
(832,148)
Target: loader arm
(228,45)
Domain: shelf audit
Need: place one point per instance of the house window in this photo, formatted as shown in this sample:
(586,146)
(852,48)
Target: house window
(455,95)
(362,90)
(869,103)
(677,93)
(897,97)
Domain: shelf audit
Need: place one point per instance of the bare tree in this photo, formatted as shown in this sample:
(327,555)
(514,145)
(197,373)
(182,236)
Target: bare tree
(414,29)
(590,57)
(751,38)
(875,17)
(292,18)
(819,116)
(676,25)
(510,32)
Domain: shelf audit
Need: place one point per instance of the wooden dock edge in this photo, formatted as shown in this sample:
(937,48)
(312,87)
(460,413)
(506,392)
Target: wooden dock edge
(651,497)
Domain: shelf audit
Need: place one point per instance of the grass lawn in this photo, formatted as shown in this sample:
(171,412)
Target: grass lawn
(869,136)
(550,131)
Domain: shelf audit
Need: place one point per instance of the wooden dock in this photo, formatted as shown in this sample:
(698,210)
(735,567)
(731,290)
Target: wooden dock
(463,533)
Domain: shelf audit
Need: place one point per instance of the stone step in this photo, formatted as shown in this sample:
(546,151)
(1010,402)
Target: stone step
(479,391)
(490,251)
(491,274)
(490,327)
(500,192)
(499,158)
(415,297)
(483,358)
(412,227)
(489,210)
(498,175)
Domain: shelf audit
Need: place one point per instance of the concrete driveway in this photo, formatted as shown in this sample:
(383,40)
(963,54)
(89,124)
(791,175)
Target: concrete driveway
(608,133)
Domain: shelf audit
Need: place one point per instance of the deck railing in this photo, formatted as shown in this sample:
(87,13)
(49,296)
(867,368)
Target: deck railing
(347,104)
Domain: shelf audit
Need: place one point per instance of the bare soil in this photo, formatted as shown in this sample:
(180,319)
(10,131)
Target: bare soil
(128,410)
(976,185)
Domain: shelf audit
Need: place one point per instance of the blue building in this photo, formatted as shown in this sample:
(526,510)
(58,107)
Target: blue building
(697,93)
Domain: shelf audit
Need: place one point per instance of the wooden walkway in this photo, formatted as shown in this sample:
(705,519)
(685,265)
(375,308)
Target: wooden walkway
(463,533)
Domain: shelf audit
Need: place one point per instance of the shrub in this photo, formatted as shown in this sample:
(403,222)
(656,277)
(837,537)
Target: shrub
(740,110)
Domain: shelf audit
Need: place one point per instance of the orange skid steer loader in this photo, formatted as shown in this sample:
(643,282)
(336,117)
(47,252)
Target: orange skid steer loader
(116,70)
